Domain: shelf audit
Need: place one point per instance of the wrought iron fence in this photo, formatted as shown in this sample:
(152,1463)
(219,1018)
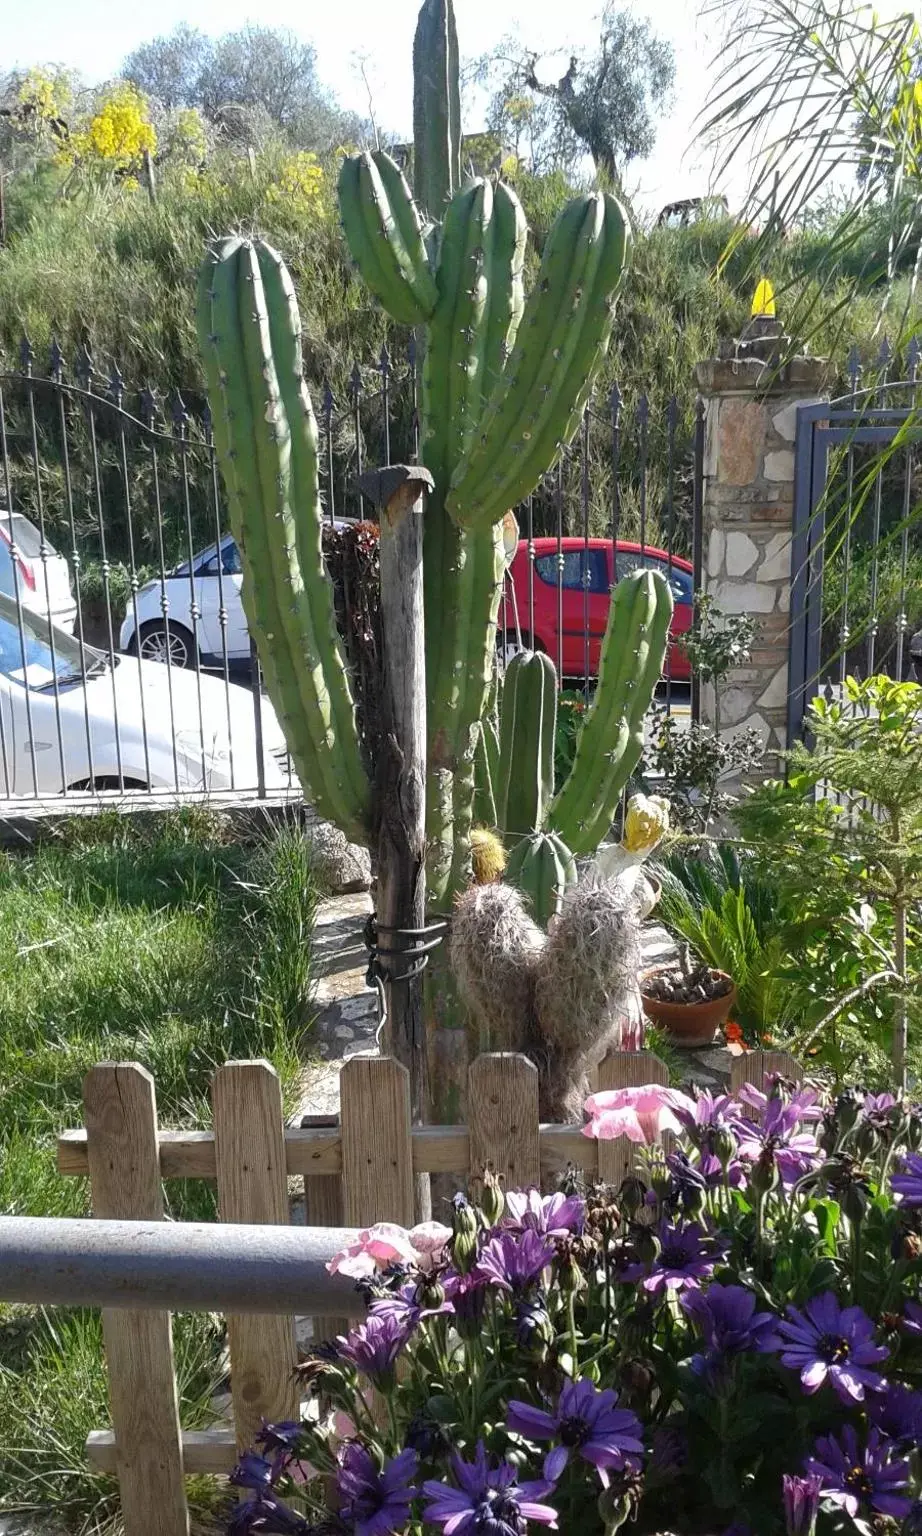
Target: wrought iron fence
(856,554)
(115,555)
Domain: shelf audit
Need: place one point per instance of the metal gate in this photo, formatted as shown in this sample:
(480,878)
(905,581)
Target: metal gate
(856,551)
(115,554)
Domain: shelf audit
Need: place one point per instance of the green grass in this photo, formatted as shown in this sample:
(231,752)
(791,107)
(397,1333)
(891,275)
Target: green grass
(157,941)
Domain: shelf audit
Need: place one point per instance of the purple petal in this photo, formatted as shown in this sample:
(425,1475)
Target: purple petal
(534,1423)
(813,1375)
(554,1462)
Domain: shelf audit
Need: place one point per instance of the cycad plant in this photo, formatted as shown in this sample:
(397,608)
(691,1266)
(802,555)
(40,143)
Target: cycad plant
(730,918)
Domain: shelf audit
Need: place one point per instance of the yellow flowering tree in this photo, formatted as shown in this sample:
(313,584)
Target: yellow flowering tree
(117,134)
(299,187)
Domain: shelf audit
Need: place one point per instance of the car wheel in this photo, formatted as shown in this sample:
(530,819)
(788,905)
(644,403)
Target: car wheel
(162,641)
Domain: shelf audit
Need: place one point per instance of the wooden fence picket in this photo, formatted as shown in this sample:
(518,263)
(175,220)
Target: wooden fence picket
(324,1206)
(377,1142)
(120,1107)
(625,1069)
(504,1121)
(253,1188)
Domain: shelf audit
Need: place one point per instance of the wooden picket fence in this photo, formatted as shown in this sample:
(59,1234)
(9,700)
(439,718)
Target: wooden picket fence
(356,1171)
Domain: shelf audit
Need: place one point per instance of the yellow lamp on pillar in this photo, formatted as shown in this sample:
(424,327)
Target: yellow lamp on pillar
(763,302)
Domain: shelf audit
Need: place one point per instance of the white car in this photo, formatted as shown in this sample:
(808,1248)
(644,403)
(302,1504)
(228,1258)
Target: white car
(74,718)
(166,624)
(41,585)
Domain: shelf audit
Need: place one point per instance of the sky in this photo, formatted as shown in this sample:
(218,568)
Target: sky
(94,36)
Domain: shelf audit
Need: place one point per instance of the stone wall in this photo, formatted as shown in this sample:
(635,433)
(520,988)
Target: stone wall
(747,525)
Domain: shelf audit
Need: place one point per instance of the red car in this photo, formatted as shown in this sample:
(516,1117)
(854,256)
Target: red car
(578,557)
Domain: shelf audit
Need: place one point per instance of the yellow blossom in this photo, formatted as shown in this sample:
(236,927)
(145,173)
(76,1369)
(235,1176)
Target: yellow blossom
(646,823)
(300,185)
(119,132)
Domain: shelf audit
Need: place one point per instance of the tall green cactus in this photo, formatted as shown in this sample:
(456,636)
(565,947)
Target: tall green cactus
(503,386)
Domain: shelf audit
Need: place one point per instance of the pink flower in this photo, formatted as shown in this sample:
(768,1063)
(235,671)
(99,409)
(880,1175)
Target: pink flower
(375,1248)
(640,1114)
(385,1243)
(428,1239)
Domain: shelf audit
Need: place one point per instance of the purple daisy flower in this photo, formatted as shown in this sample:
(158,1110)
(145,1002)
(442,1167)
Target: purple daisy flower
(253,1471)
(802,1105)
(898,1414)
(729,1323)
(829,1342)
(709,1112)
(373,1346)
(912,1317)
(556,1215)
(907,1184)
(513,1262)
(853,1478)
(488,1500)
(801,1496)
(375,1503)
(681,1262)
(266,1514)
(585,1420)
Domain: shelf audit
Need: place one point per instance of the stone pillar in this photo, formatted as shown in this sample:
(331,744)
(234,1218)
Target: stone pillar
(748,505)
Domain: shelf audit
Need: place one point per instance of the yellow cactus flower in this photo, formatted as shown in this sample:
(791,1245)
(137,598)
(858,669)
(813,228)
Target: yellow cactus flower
(646,823)
(488,856)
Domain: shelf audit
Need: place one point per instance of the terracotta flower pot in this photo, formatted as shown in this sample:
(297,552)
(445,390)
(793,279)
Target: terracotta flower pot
(688,1024)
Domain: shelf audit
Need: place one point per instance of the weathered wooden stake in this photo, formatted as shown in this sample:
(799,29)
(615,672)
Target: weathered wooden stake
(399,493)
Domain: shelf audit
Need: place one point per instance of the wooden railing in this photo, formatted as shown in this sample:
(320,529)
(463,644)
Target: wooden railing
(356,1172)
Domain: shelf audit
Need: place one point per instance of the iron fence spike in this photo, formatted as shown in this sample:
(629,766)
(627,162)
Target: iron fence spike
(26,355)
(56,361)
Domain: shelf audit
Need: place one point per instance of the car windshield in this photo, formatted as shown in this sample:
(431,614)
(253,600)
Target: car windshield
(38,654)
(27,538)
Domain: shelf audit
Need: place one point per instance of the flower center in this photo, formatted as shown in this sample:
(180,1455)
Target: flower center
(498,1514)
(856,1478)
(573,1431)
(673,1256)
(833,1348)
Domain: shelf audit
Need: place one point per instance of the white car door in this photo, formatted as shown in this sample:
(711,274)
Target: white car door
(218,581)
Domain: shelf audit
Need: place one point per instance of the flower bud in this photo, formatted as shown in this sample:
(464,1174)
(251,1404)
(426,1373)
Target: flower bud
(430,1292)
(465,1227)
(631,1194)
(725,1146)
(568,1274)
(492,1200)
(618,1502)
(764,1176)
(801,1504)
(867,1140)
(848,1108)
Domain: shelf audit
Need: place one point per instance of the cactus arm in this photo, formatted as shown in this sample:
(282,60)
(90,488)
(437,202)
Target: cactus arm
(413,252)
(610,740)
(559,348)
(527,727)
(285,337)
(395,271)
(543,868)
(290,609)
(436,107)
(506,298)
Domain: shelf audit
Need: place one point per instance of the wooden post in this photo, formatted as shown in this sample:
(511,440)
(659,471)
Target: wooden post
(625,1069)
(399,492)
(150,175)
(121,1126)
